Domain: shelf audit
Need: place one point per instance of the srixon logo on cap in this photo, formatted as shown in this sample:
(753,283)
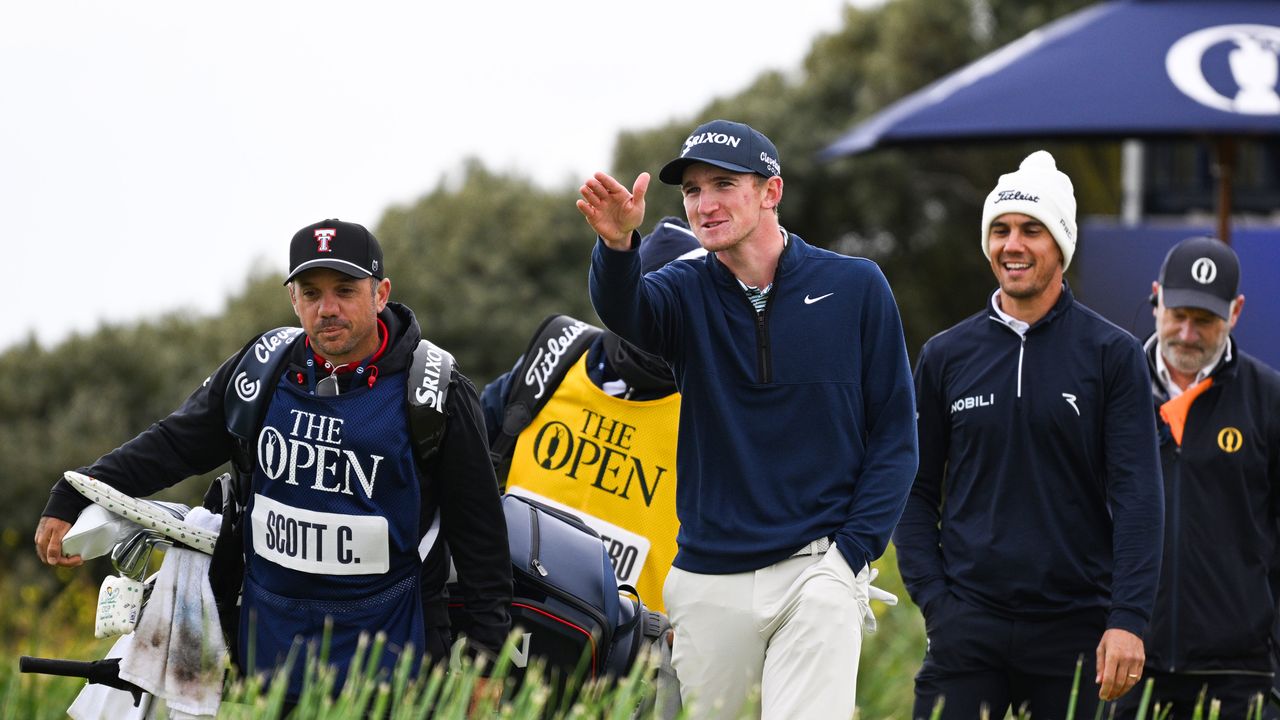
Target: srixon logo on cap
(323,238)
(710,137)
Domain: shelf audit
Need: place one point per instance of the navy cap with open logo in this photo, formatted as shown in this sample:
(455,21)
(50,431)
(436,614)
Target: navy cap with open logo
(346,247)
(725,144)
(1200,272)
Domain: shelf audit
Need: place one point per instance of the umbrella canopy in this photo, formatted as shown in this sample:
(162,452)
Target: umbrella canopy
(1121,69)
(1128,68)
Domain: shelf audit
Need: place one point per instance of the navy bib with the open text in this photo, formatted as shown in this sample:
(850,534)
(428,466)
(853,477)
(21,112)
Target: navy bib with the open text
(333,525)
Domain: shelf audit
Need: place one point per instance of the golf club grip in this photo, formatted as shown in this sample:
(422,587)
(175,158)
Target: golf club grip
(52,666)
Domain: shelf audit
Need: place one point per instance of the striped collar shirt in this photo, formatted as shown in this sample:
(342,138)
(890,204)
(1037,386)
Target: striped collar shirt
(759,298)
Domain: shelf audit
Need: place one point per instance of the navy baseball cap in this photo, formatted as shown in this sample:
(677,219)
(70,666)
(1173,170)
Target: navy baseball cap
(725,144)
(346,247)
(1200,272)
(670,240)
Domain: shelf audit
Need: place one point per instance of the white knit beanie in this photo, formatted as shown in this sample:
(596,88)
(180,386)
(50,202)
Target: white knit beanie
(1040,190)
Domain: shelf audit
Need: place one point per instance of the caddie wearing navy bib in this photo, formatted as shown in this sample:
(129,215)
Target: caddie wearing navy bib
(348,504)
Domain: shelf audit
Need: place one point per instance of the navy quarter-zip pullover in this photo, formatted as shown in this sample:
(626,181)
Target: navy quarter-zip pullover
(797,423)
(1039,488)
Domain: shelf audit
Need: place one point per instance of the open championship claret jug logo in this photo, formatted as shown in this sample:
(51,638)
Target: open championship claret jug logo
(1204,271)
(1252,56)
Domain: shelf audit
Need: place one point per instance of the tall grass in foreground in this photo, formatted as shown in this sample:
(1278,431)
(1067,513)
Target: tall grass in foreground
(35,620)
(38,619)
(368,692)
(464,692)
(1107,711)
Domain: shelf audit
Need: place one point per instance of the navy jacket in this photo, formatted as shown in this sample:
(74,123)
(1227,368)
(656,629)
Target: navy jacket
(1039,486)
(1215,607)
(794,425)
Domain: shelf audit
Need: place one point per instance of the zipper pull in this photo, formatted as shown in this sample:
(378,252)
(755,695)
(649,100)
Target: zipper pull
(537,565)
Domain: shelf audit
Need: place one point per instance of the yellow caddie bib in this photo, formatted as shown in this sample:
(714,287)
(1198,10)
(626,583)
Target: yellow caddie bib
(612,462)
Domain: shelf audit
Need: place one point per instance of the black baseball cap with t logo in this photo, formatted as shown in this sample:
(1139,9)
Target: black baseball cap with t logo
(1200,272)
(346,247)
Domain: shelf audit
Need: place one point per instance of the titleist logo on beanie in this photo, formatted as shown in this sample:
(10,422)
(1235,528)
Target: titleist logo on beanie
(1039,190)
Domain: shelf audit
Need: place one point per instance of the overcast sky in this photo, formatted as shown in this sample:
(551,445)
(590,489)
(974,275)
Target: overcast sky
(152,153)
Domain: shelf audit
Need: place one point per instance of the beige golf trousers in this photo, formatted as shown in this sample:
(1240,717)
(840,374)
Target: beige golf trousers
(791,632)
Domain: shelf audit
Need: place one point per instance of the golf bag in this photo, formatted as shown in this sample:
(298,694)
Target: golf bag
(567,605)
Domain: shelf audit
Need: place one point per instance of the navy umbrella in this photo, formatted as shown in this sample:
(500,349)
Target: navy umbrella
(1120,69)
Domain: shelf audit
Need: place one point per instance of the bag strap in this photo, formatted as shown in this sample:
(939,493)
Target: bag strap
(430,374)
(558,342)
(562,515)
(252,382)
(652,622)
(245,402)
(248,393)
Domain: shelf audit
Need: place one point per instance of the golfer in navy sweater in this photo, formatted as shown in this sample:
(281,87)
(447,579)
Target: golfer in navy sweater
(797,427)
(1032,534)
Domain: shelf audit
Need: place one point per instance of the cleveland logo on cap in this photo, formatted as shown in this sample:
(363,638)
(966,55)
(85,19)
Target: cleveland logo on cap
(771,162)
(323,236)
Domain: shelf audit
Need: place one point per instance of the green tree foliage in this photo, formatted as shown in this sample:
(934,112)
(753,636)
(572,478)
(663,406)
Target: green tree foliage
(916,211)
(482,261)
(72,403)
(484,256)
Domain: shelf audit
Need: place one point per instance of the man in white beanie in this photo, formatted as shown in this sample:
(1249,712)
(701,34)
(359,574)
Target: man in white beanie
(1031,538)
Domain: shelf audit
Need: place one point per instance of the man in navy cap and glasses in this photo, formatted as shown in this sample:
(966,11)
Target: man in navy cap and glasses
(797,441)
(1218,415)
